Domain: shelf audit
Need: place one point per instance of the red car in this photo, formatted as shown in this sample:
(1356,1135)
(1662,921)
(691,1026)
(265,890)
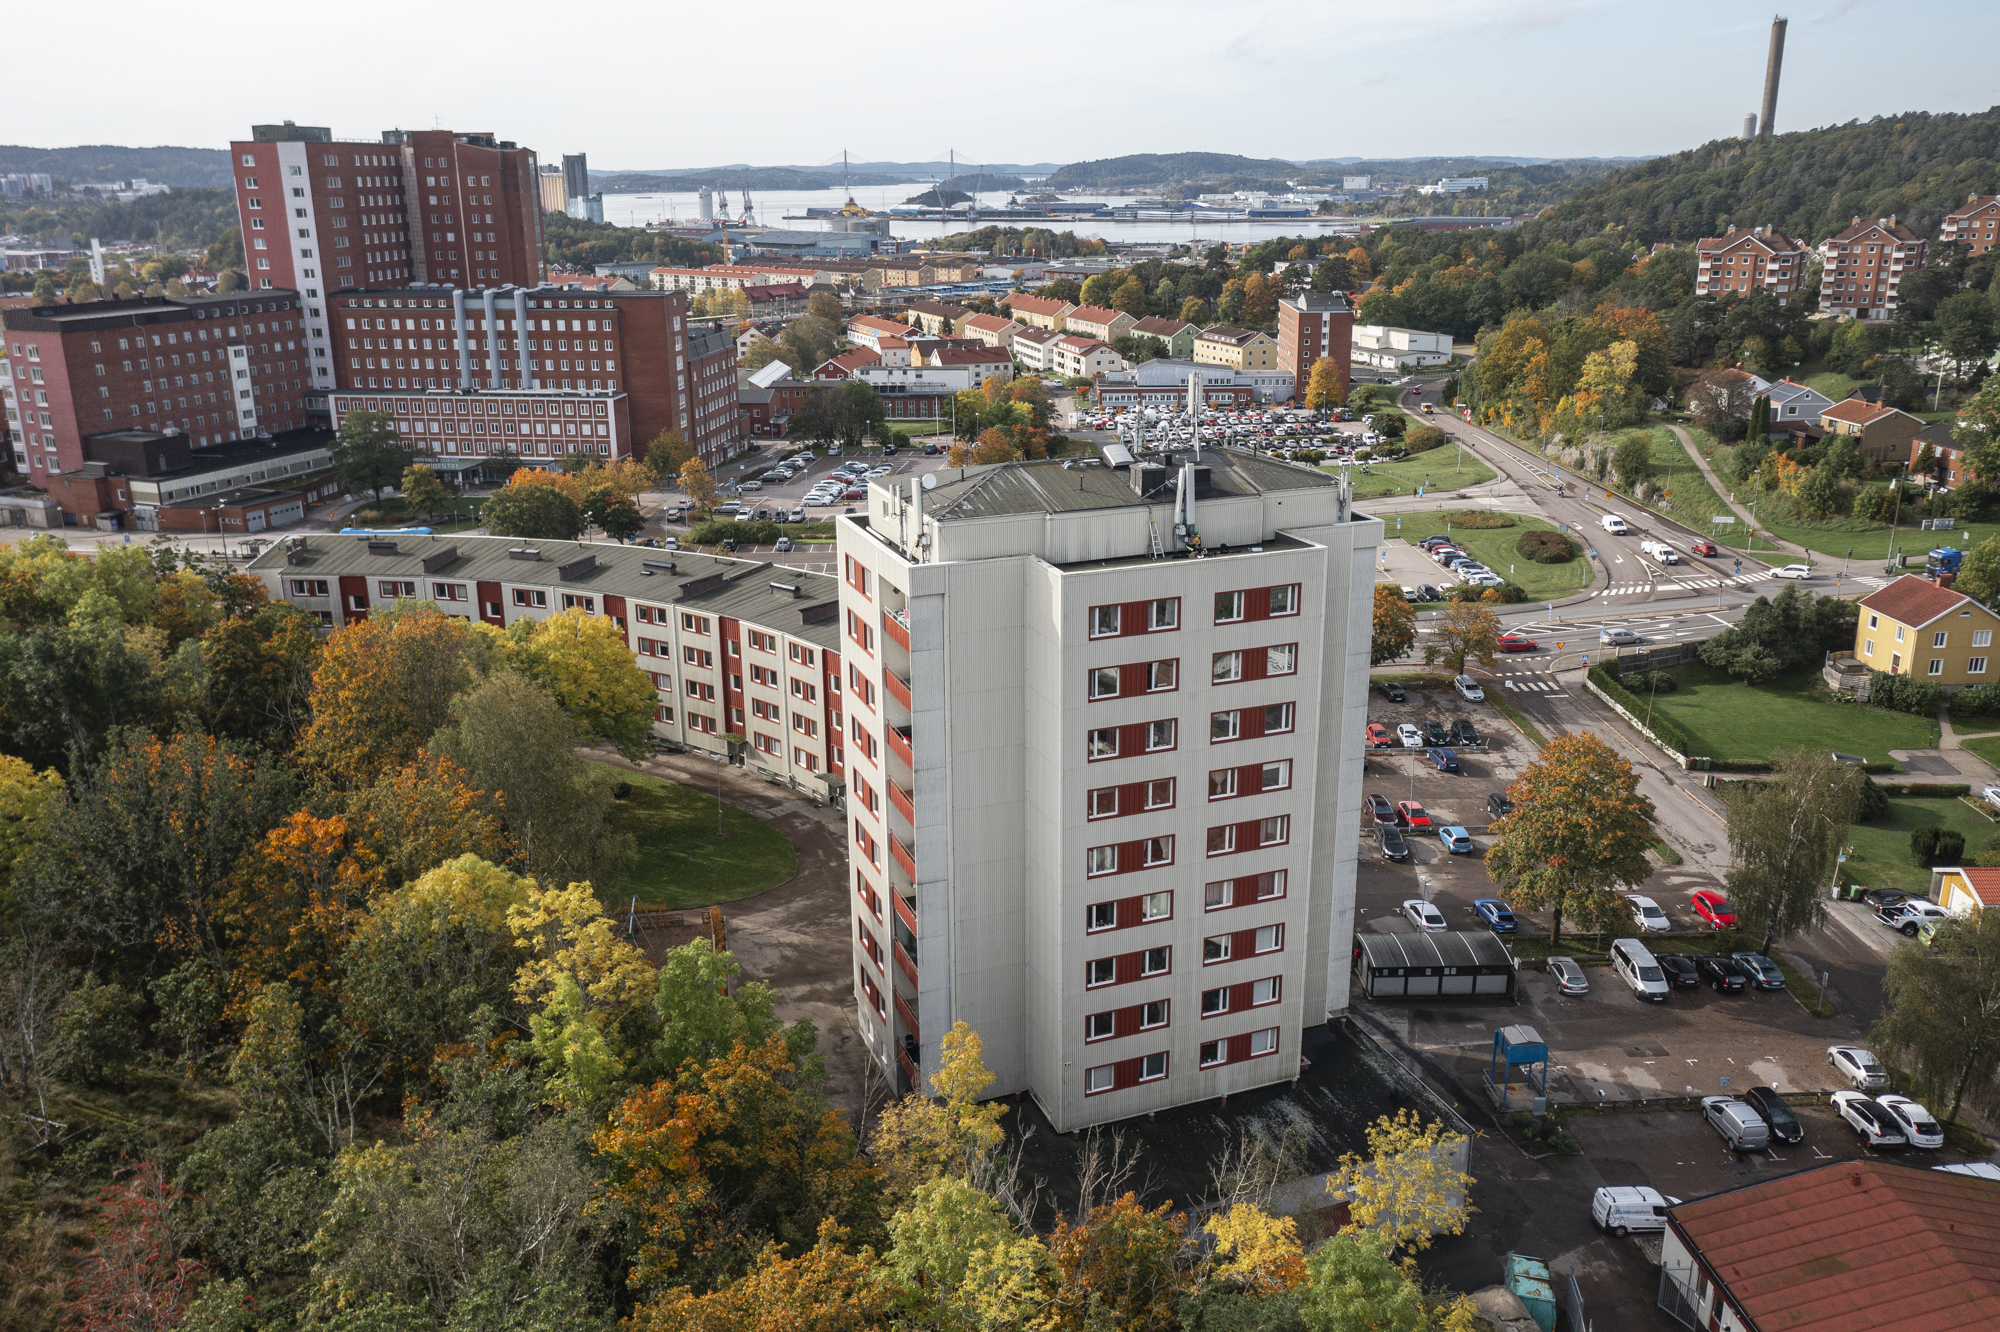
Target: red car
(1379,737)
(1712,907)
(1701,548)
(1517,643)
(1410,814)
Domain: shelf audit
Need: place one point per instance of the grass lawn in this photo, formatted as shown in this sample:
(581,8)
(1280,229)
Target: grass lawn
(1988,749)
(1881,854)
(681,862)
(1691,501)
(1494,548)
(1835,386)
(1441,468)
(1727,719)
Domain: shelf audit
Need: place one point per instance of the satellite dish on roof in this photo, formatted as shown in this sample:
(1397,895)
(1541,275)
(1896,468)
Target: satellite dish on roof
(930,480)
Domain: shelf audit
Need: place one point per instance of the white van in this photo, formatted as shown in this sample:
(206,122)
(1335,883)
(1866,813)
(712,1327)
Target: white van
(1740,1126)
(1622,1209)
(1639,969)
(1660,551)
(1613,524)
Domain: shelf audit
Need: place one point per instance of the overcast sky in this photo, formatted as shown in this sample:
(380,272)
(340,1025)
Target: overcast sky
(787,81)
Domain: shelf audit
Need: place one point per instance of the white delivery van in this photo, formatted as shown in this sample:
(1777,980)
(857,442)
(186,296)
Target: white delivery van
(1613,524)
(1659,550)
(1622,1209)
(1740,1126)
(1639,969)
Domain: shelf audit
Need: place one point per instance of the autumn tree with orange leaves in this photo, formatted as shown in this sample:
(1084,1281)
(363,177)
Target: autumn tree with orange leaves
(1580,830)
(383,687)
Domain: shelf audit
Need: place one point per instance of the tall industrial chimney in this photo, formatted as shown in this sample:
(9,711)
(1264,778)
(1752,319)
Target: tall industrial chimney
(1750,126)
(1771,68)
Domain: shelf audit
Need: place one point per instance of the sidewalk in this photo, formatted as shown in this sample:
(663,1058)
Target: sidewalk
(1716,484)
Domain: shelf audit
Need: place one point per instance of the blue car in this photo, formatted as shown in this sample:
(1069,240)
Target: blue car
(1495,914)
(1456,840)
(1445,760)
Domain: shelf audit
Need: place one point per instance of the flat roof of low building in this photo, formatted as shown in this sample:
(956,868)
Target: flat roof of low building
(743,589)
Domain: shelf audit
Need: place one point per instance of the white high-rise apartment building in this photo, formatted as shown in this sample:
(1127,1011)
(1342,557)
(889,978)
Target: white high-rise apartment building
(1104,806)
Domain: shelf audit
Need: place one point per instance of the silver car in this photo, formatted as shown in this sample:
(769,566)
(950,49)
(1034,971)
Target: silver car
(1569,975)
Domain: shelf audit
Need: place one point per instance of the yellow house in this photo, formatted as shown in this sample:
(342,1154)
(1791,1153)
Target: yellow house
(1237,348)
(1963,891)
(1914,627)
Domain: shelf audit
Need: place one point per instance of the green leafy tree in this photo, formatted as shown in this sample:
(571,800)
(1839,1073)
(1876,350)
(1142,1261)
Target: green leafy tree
(538,513)
(1941,1012)
(1579,829)
(1463,631)
(367,452)
(666,455)
(618,515)
(1783,836)
(700,1018)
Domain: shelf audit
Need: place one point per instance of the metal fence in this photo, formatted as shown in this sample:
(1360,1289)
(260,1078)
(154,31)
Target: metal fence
(1677,1295)
(1573,1304)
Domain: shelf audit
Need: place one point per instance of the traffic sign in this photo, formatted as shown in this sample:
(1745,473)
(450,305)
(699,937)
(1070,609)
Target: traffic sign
(1721,519)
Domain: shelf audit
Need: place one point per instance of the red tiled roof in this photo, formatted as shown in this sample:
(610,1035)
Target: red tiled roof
(1985,883)
(987,322)
(1914,601)
(1040,305)
(1159,327)
(878,324)
(1855,1246)
(966,356)
(1859,411)
(1096,314)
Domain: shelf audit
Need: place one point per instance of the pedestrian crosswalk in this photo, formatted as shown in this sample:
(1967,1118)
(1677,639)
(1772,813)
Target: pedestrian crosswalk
(1533,686)
(1682,585)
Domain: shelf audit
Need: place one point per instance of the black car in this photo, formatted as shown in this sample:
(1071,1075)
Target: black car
(1785,1126)
(1498,806)
(1382,811)
(1425,592)
(1880,899)
(1680,970)
(1393,845)
(1722,974)
(1435,733)
(1463,732)
(930,449)
(1391,691)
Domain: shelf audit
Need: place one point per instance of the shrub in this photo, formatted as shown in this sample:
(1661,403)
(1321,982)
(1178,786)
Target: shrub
(1651,682)
(1669,732)
(752,533)
(1874,503)
(1874,803)
(1937,846)
(1729,430)
(1478,519)
(1507,594)
(1423,439)
(1545,547)
(1904,693)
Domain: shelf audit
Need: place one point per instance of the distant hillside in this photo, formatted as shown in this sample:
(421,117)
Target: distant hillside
(770,178)
(1809,185)
(1142,170)
(203,167)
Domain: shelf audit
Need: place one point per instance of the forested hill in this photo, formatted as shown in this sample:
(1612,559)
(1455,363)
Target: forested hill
(96,162)
(1149,169)
(1810,185)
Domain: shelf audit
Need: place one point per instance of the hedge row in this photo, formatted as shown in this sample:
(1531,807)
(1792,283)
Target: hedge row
(1477,519)
(1663,727)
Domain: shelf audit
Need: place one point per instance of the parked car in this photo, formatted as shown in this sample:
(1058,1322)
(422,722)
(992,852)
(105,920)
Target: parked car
(1410,736)
(1878,898)
(1761,970)
(1618,637)
(1423,915)
(1908,917)
(1723,976)
(751,485)
(1498,806)
(1622,1209)
(1517,643)
(1379,737)
(1870,1121)
(1435,732)
(1445,761)
(1793,571)
(784,544)
(1468,689)
(1857,1065)
(1681,971)
(1646,912)
(1381,811)
(1635,965)
(1426,592)
(1569,976)
(1771,1108)
(1390,842)
(1391,691)
(1457,841)
(1740,1126)
(1410,814)
(1712,907)
(798,514)
(1991,795)
(1496,915)
(1919,1126)
(1463,732)
(1481,577)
